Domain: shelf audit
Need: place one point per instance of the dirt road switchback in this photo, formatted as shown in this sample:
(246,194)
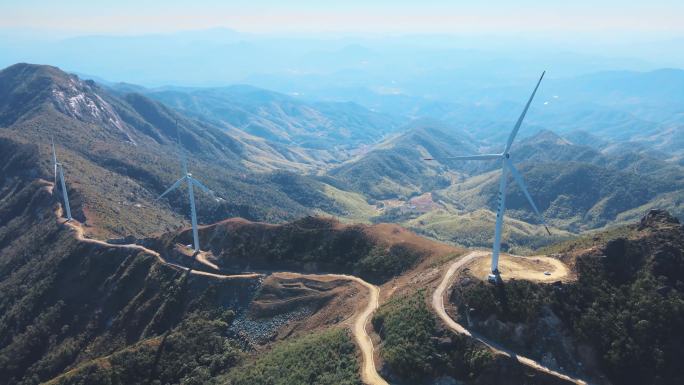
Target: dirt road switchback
(438,306)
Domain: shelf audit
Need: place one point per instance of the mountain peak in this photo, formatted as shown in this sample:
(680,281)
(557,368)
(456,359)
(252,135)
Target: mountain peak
(32,86)
(33,69)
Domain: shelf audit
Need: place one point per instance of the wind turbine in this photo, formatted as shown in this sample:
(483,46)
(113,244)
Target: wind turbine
(58,166)
(187,177)
(506,165)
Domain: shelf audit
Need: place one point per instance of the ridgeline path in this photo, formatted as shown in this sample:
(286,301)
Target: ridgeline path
(438,306)
(369,374)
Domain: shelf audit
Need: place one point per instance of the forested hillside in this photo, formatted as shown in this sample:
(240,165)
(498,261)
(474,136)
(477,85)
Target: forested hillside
(621,319)
(74,312)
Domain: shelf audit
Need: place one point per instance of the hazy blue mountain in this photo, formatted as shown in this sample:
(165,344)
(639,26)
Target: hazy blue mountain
(626,106)
(417,65)
(647,94)
(453,79)
(281,118)
(585,138)
(396,166)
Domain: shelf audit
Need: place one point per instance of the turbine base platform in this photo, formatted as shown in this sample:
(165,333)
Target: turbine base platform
(494,278)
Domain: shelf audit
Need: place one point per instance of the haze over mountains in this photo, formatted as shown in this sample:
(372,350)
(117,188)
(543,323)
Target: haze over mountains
(264,192)
(122,151)
(328,232)
(277,157)
(325,129)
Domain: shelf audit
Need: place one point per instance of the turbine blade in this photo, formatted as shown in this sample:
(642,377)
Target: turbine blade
(202,187)
(206,190)
(180,151)
(522,116)
(173,187)
(469,157)
(521,182)
(54,158)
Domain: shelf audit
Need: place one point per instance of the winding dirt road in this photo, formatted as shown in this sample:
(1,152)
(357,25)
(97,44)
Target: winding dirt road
(369,374)
(438,306)
(79,235)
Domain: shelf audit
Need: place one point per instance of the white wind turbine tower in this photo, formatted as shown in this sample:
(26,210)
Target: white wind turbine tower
(187,177)
(506,164)
(58,166)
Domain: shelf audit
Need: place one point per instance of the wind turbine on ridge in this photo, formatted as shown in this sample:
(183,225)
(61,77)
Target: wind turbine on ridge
(187,177)
(58,166)
(506,165)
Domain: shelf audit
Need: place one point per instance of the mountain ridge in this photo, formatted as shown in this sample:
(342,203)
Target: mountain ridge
(114,175)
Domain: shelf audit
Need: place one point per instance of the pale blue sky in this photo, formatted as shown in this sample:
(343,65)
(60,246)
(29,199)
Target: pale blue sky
(656,17)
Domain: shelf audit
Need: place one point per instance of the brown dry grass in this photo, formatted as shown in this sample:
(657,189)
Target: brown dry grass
(392,234)
(518,267)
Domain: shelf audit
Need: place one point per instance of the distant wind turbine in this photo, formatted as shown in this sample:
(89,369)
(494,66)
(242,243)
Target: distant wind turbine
(187,177)
(506,164)
(58,166)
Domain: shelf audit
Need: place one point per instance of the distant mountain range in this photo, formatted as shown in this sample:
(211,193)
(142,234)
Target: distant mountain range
(590,188)
(280,118)
(276,157)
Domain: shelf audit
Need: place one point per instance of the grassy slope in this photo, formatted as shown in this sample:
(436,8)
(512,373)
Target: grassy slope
(312,244)
(396,167)
(475,229)
(326,358)
(575,196)
(355,208)
(406,327)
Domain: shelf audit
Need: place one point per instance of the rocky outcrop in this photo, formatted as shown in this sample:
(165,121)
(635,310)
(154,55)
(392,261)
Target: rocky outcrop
(657,218)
